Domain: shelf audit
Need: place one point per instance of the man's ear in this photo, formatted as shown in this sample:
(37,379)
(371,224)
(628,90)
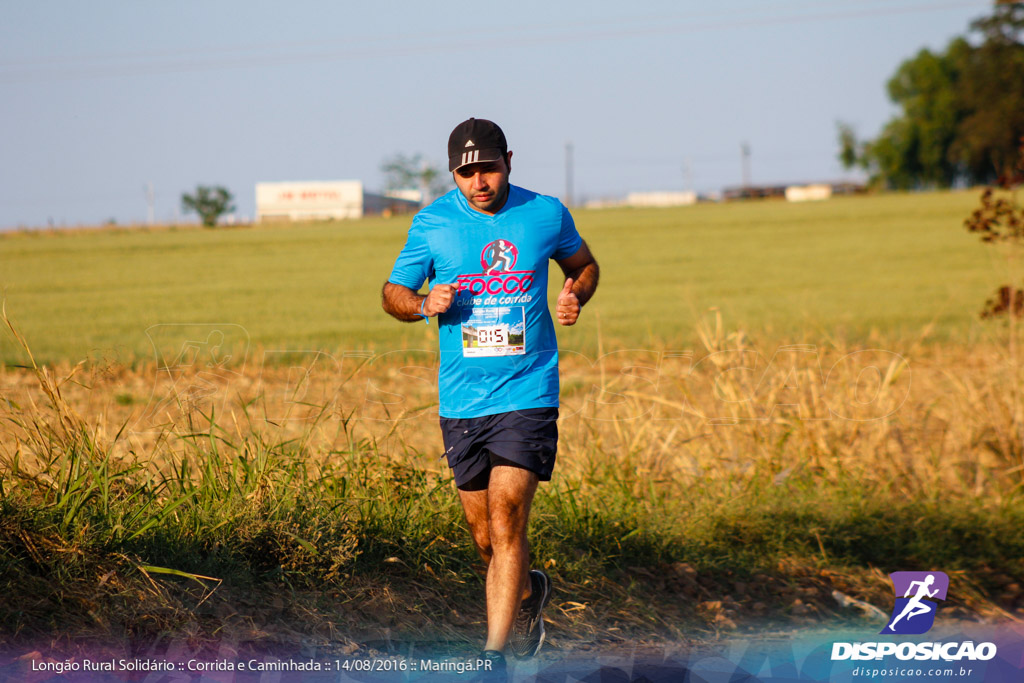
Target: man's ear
(508,161)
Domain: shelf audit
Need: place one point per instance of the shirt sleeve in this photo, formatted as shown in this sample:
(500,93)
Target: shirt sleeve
(569,240)
(415,263)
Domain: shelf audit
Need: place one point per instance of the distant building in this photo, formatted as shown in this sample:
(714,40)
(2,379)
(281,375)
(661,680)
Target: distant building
(324,200)
(793,192)
(411,195)
(846,187)
(646,200)
(754,192)
(808,193)
(661,198)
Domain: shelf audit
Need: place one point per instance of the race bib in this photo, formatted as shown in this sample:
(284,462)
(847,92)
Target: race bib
(498,331)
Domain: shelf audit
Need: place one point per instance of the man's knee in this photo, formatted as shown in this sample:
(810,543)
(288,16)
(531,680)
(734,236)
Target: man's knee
(507,523)
(508,504)
(481,533)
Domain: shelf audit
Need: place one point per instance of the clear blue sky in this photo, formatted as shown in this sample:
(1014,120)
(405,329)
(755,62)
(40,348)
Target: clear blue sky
(101,97)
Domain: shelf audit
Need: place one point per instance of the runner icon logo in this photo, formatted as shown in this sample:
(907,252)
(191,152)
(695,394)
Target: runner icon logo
(499,256)
(914,612)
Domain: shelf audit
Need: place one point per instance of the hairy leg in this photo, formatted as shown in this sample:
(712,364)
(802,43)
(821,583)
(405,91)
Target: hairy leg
(509,496)
(474,505)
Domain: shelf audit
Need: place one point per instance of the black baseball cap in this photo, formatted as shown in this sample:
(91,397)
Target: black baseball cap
(475,141)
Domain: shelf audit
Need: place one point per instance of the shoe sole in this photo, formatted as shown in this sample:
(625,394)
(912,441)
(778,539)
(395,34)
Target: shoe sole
(545,599)
(540,641)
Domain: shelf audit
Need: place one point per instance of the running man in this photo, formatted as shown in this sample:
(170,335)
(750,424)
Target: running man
(499,255)
(484,249)
(914,606)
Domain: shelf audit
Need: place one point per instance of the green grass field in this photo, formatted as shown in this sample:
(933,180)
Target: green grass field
(891,264)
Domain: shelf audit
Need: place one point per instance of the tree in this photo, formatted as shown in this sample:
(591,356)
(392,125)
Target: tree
(992,92)
(912,150)
(849,152)
(209,202)
(415,172)
(962,111)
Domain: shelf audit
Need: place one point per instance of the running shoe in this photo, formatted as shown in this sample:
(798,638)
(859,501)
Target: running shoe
(528,628)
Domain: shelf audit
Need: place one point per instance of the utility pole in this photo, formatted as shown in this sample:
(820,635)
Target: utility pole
(745,154)
(150,203)
(568,174)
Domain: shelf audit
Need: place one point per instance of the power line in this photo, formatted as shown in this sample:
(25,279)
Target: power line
(512,29)
(76,68)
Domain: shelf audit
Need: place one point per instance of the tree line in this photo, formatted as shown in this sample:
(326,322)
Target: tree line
(962,111)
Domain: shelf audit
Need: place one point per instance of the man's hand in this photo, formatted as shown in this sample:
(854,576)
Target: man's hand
(439,299)
(568,306)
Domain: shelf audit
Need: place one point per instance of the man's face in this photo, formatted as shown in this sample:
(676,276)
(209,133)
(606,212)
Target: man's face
(485,185)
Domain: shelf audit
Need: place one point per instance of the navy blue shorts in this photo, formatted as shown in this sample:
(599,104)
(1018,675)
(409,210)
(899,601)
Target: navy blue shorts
(521,438)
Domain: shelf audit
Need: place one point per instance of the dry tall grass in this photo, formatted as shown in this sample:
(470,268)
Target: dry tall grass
(917,421)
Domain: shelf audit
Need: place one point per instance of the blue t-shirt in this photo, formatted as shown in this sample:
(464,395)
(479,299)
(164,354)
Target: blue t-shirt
(498,348)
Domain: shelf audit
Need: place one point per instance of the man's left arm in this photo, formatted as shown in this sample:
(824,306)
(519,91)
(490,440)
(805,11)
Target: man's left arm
(581,276)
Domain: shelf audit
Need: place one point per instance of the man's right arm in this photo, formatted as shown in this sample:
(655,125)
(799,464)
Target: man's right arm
(409,306)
